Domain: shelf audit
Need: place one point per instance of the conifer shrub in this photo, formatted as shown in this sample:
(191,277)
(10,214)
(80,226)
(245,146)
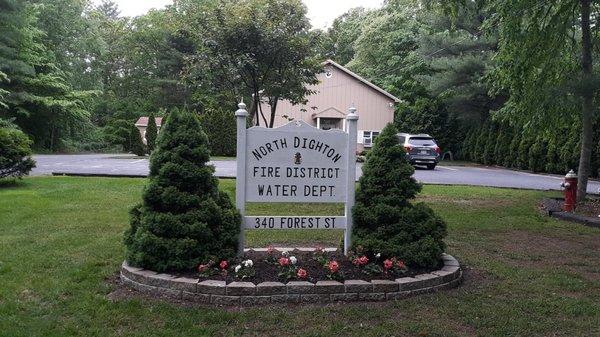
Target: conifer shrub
(151,133)
(221,130)
(552,157)
(523,152)
(136,144)
(537,155)
(480,143)
(490,144)
(385,219)
(511,159)
(15,152)
(184,218)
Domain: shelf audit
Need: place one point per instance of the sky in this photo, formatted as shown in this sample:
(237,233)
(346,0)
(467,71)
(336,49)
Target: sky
(321,12)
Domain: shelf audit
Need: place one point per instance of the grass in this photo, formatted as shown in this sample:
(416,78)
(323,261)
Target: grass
(527,275)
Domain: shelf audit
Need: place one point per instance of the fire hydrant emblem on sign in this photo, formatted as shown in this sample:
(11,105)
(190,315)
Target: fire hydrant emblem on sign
(570,190)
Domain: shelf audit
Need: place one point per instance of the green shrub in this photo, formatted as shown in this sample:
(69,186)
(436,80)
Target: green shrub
(220,127)
(552,157)
(15,152)
(466,151)
(569,152)
(480,143)
(184,218)
(511,159)
(537,155)
(502,147)
(151,133)
(135,142)
(523,152)
(490,145)
(385,221)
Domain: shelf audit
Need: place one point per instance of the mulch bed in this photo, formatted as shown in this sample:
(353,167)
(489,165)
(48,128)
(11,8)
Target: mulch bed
(268,272)
(586,213)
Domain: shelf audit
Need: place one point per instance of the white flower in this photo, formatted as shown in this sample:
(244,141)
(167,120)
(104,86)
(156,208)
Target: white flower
(286,253)
(248,263)
(237,268)
(293,260)
(378,255)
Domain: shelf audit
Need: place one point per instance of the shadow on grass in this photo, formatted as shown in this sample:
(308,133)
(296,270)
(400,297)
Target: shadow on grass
(8,183)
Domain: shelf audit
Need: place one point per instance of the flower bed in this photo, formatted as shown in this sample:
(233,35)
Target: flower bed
(222,288)
(296,265)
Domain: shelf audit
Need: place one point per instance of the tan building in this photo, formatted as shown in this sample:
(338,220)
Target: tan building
(142,124)
(337,90)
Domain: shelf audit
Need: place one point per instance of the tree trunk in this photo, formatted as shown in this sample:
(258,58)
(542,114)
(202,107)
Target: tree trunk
(273,110)
(587,111)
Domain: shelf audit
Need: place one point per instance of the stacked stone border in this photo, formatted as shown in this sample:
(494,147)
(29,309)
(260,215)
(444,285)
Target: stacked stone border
(247,293)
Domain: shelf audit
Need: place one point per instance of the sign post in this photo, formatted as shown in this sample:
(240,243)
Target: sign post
(240,181)
(296,163)
(351,121)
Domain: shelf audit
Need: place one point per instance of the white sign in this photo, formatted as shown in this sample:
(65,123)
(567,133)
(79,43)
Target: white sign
(296,163)
(295,222)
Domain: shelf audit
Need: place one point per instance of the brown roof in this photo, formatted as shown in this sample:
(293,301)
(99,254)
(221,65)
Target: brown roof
(143,121)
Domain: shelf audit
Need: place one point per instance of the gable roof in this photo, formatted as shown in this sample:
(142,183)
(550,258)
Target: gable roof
(330,112)
(357,77)
(143,121)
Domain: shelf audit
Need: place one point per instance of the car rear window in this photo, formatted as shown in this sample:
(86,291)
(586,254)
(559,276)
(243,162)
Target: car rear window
(421,141)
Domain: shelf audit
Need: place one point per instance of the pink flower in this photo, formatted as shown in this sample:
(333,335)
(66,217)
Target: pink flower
(284,261)
(400,264)
(302,273)
(223,264)
(202,268)
(388,264)
(360,261)
(333,266)
(270,249)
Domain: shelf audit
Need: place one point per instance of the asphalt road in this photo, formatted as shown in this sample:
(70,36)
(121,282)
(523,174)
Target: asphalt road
(119,164)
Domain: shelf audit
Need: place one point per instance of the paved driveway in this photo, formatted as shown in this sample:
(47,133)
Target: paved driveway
(453,175)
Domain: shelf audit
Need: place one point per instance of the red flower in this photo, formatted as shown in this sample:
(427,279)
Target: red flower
(400,264)
(302,273)
(270,249)
(284,261)
(388,264)
(333,266)
(223,264)
(202,268)
(363,260)
(360,261)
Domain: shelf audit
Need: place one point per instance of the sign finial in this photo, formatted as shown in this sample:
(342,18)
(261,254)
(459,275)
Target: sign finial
(352,115)
(241,111)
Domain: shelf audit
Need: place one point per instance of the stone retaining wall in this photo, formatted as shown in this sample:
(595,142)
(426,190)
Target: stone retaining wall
(247,293)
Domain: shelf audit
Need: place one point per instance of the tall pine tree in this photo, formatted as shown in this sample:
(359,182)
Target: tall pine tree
(385,221)
(184,219)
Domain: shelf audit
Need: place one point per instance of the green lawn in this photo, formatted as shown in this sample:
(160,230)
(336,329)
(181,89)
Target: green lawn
(527,275)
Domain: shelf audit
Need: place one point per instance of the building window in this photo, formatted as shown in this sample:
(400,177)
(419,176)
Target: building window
(369,137)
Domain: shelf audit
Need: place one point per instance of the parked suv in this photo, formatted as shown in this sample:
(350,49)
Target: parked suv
(420,149)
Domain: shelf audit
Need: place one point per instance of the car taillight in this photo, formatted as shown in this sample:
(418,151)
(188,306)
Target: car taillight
(407,148)
(438,150)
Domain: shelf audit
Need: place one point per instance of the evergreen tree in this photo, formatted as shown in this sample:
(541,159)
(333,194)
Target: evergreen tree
(480,143)
(15,152)
(511,160)
(552,156)
(136,144)
(490,145)
(385,221)
(523,153)
(537,154)
(184,218)
(151,133)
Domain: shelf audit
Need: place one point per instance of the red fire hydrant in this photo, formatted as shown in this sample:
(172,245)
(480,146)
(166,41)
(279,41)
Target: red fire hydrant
(570,190)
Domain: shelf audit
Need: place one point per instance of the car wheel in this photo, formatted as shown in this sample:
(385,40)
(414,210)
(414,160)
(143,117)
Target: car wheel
(431,166)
